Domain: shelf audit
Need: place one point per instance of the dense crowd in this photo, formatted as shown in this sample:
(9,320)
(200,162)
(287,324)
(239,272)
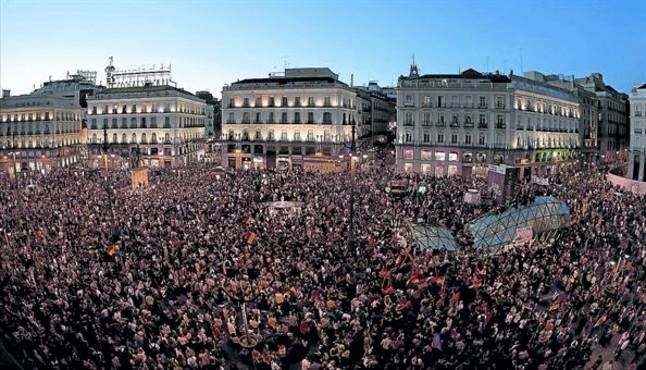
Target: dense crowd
(181,275)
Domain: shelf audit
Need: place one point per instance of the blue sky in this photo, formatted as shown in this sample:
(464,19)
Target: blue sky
(210,43)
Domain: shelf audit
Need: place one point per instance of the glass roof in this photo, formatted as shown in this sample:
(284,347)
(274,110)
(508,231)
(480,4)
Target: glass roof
(544,214)
(433,237)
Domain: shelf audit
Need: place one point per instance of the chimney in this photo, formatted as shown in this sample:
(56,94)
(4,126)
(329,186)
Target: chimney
(6,93)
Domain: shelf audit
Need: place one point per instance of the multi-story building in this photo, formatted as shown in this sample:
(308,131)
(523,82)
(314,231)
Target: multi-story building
(43,129)
(213,118)
(637,157)
(155,125)
(589,111)
(613,135)
(377,111)
(304,118)
(457,124)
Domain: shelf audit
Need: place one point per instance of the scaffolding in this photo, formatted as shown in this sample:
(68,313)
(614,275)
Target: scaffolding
(544,216)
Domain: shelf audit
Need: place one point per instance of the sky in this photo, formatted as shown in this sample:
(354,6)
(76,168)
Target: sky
(211,43)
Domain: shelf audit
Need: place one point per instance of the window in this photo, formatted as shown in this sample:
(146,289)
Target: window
(467,139)
(500,102)
(105,123)
(167,121)
(500,121)
(283,117)
(246,102)
(310,117)
(483,102)
(408,137)
(297,136)
(482,140)
(409,119)
(271,101)
(245,117)
(454,138)
(427,101)
(153,122)
(93,124)
(297,101)
(427,118)
(327,117)
(440,102)
(427,137)
(133,109)
(133,122)
(482,121)
(297,117)
(409,100)
(258,102)
(283,136)
(143,122)
(327,102)
(440,138)
(284,101)
(258,117)
(114,123)
(270,119)
(310,101)
(426,155)
(408,153)
(440,156)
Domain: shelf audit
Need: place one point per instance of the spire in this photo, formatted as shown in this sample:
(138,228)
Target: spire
(413,69)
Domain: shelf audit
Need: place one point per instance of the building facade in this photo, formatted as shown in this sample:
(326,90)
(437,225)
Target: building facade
(150,125)
(589,111)
(302,119)
(44,129)
(378,111)
(459,124)
(637,156)
(613,128)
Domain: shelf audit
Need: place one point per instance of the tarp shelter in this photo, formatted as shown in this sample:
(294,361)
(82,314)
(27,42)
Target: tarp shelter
(544,214)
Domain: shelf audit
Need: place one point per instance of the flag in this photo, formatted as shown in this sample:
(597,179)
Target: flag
(250,237)
(439,280)
(111,250)
(437,342)
(475,284)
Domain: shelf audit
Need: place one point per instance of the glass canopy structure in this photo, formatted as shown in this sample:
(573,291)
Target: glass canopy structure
(544,214)
(433,237)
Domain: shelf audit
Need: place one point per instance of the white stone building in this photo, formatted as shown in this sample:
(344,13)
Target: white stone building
(43,129)
(161,125)
(457,124)
(637,156)
(303,119)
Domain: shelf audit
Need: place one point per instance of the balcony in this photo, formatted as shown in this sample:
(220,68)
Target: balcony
(409,123)
(483,125)
(455,124)
(500,125)
(483,106)
(440,124)
(468,125)
(500,106)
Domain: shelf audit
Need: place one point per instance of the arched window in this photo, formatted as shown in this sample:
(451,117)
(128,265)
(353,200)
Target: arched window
(133,139)
(153,138)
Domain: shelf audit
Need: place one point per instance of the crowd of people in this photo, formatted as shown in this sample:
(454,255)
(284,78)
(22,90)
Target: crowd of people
(196,272)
